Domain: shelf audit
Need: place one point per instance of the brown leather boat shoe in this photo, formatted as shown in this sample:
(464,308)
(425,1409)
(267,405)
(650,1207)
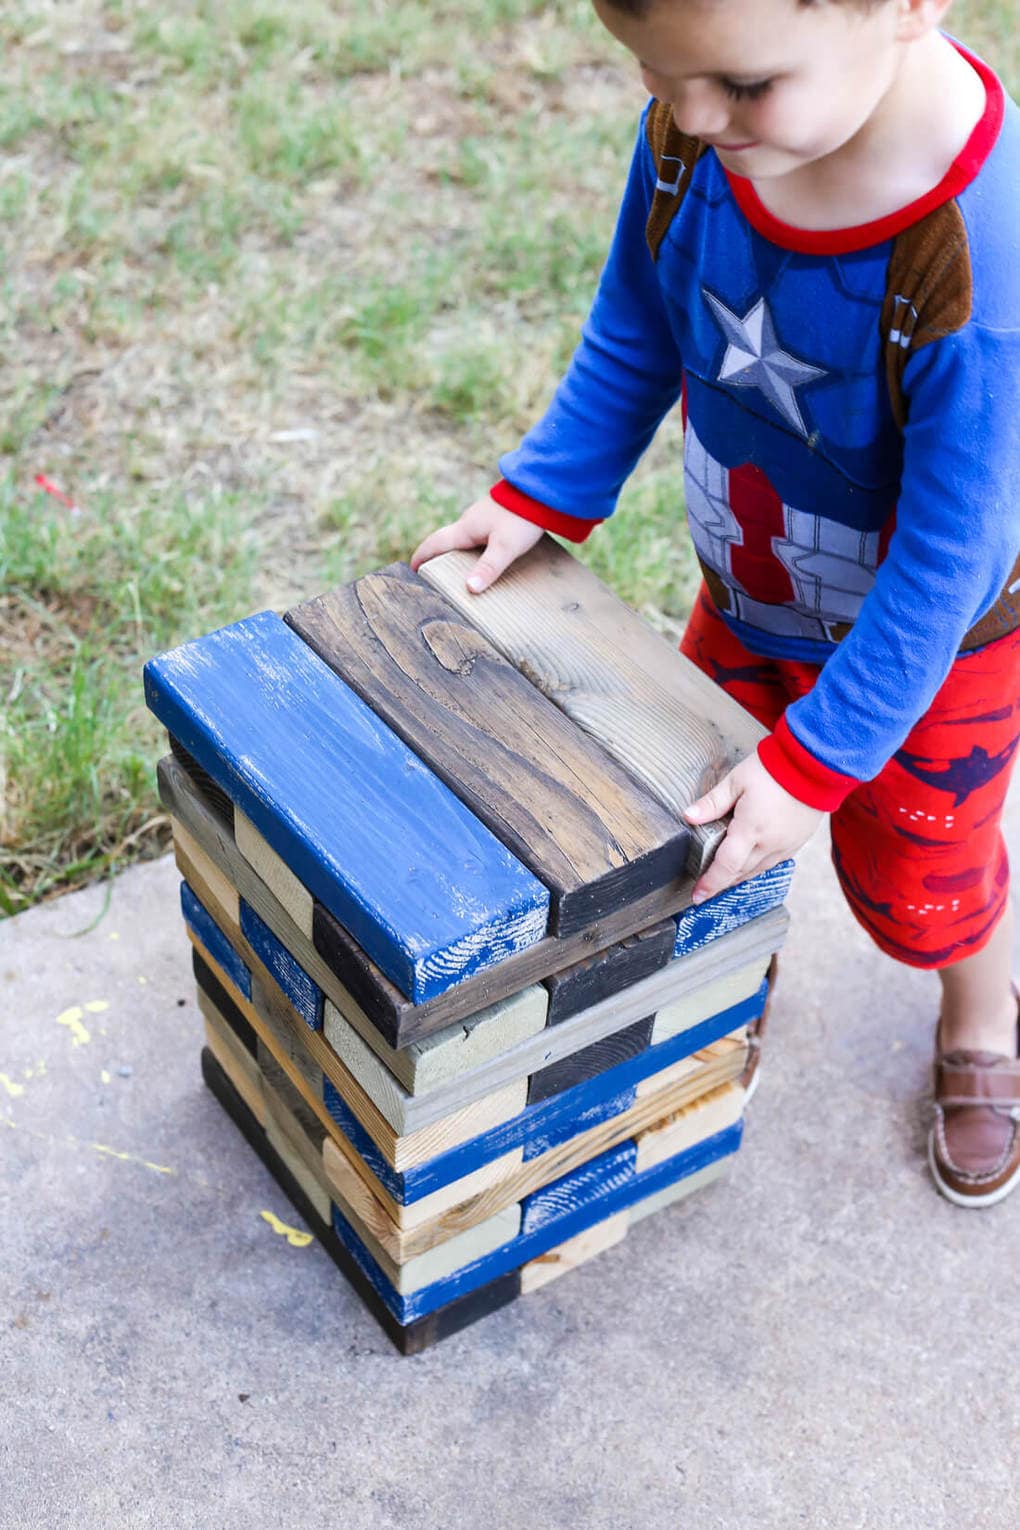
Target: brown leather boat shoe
(974,1145)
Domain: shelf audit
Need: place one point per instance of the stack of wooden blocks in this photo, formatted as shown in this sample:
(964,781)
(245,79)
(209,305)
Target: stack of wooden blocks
(438,885)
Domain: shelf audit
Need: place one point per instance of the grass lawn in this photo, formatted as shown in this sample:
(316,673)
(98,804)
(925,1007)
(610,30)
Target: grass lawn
(279,280)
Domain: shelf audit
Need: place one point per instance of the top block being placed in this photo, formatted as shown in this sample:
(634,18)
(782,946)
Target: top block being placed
(427,891)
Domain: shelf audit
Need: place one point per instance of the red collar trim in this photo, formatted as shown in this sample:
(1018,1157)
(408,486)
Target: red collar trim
(840,241)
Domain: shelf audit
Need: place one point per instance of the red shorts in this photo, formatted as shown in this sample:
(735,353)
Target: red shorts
(919,850)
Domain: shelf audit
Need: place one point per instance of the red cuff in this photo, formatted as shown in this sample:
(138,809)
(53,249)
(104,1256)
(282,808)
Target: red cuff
(570,526)
(800,773)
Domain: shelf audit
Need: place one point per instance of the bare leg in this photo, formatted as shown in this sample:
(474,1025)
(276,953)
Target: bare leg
(979,1008)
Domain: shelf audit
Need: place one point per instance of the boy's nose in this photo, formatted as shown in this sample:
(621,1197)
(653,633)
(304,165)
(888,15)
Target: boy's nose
(701,110)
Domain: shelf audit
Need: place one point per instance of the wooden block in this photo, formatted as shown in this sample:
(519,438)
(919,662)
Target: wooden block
(719,994)
(679,1190)
(216,885)
(729,1052)
(399,1082)
(291,894)
(209,984)
(297,1115)
(302,992)
(564,807)
(427,891)
(576,1251)
(702,1118)
(610,971)
(668,725)
(214,796)
(412,1228)
(409,1338)
(306,1170)
(728,910)
(602,1057)
(234,1059)
(221,952)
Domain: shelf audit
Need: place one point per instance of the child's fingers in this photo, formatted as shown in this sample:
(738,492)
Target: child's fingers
(445,539)
(496,559)
(714,804)
(733,862)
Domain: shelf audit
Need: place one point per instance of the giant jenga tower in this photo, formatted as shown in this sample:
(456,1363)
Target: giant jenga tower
(437,881)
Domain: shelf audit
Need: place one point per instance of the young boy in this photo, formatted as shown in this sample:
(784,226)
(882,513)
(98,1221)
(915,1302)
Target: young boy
(818,252)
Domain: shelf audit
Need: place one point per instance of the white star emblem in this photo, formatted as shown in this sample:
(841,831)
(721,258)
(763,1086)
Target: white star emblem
(754,359)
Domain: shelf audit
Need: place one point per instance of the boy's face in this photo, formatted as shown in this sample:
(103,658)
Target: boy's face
(770,84)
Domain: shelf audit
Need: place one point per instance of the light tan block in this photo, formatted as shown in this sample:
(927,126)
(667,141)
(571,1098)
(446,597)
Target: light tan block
(576,1251)
(729,1053)
(218,894)
(681,1189)
(286,888)
(687,1127)
(712,999)
(235,1060)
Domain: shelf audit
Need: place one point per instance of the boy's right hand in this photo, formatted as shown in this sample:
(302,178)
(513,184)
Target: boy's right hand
(504,535)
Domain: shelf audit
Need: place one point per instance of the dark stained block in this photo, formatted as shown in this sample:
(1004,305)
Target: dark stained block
(610,971)
(544,787)
(590,1061)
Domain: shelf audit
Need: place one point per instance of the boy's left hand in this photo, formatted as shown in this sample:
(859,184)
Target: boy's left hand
(768,825)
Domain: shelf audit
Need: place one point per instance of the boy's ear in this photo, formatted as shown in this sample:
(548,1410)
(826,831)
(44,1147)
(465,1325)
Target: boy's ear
(916,17)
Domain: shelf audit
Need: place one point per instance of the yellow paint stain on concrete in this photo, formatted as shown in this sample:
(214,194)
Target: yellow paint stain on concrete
(113,935)
(12,1088)
(294,1236)
(96,1147)
(37,1072)
(143,981)
(158,1168)
(72,1018)
(104,1077)
(97,1006)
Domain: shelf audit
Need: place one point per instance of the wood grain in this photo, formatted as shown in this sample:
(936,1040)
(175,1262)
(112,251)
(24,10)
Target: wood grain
(668,725)
(606,972)
(565,808)
(291,894)
(588,1062)
(439,1216)
(429,893)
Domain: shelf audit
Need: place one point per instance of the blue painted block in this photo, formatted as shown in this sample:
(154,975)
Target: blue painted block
(425,889)
(600,1175)
(546,1136)
(216,943)
(290,977)
(603,1196)
(703,922)
(558,1118)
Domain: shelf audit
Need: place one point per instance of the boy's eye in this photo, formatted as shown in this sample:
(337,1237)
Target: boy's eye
(740,91)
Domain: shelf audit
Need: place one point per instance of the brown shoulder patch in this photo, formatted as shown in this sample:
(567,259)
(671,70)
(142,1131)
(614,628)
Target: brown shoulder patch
(929,292)
(675,155)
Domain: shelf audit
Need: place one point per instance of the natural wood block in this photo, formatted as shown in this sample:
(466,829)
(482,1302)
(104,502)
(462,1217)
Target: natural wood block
(216,884)
(669,726)
(610,971)
(703,1117)
(548,791)
(679,1190)
(291,894)
(717,994)
(395,1223)
(576,1251)
(429,893)
(234,1059)
(728,1053)
(306,1171)
(589,1062)
(406,1078)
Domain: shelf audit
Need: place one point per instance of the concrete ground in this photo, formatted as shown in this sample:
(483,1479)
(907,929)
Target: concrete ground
(821,1341)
